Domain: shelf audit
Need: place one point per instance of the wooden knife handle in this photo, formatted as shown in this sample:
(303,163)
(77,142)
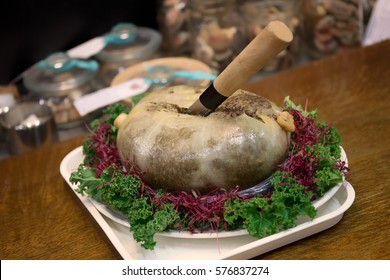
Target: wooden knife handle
(273,39)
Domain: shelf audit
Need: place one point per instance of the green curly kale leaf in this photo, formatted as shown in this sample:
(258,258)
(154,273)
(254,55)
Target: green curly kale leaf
(145,221)
(121,192)
(327,178)
(86,181)
(289,104)
(263,216)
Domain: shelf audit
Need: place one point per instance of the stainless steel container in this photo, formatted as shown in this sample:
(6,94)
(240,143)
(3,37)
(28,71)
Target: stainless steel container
(27,126)
(7,100)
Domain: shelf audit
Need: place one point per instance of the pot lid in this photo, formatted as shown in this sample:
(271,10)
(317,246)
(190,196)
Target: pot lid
(128,42)
(58,72)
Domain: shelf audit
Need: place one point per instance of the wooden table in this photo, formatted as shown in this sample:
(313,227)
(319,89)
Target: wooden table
(40,217)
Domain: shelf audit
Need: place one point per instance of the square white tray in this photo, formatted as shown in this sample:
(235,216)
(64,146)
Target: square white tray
(236,247)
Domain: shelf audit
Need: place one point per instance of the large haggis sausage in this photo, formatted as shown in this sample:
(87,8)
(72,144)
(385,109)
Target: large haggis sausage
(239,144)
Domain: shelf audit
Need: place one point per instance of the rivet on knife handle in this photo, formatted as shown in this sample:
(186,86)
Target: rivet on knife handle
(273,39)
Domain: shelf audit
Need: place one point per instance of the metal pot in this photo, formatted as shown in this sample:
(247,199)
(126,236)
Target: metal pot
(7,100)
(27,126)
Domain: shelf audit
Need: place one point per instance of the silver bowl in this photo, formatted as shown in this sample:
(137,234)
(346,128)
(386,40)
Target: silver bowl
(28,126)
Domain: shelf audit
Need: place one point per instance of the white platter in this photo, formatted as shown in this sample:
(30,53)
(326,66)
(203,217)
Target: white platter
(75,158)
(108,213)
(235,246)
(227,245)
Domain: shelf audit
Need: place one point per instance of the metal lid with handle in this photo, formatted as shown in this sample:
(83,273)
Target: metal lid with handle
(273,39)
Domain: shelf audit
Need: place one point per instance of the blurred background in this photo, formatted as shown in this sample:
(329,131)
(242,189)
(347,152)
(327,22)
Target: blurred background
(32,29)
(153,39)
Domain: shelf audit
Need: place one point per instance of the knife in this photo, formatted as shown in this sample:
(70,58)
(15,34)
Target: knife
(273,39)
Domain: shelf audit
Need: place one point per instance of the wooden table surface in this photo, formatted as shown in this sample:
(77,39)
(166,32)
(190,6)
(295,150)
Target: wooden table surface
(41,218)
